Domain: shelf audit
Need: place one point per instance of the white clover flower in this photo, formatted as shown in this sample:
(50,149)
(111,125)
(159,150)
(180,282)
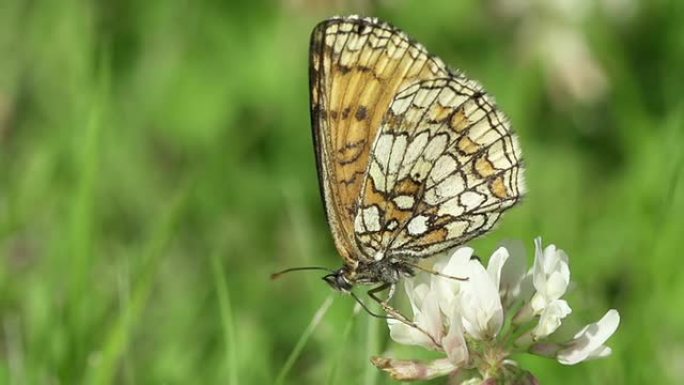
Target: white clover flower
(454,265)
(465,319)
(444,332)
(550,319)
(516,280)
(551,275)
(588,343)
(481,309)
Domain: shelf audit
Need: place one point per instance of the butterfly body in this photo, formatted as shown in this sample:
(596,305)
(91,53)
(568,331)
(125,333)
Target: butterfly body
(413,158)
(378,272)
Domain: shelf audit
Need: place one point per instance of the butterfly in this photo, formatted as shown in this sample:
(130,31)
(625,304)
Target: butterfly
(413,158)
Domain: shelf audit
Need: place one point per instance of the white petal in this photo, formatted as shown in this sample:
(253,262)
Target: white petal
(588,343)
(539,279)
(458,260)
(551,275)
(405,334)
(556,284)
(441,260)
(458,255)
(426,315)
(550,258)
(416,292)
(551,318)
(480,304)
(514,273)
(454,343)
(430,320)
(602,351)
(496,264)
(538,302)
(545,349)
(447,289)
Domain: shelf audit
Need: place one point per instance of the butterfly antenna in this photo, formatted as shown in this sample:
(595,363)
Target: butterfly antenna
(278,274)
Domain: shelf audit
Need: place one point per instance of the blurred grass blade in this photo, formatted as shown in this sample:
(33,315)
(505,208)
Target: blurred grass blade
(227,321)
(82,215)
(370,376)
(320,313)
(117,339)
(340,354)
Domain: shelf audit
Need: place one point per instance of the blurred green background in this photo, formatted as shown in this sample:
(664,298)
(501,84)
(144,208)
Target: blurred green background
(156,166)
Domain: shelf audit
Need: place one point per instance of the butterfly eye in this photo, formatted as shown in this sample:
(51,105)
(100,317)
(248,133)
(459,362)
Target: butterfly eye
(338,281)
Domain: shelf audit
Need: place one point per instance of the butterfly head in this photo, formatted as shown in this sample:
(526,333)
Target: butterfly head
(340,280)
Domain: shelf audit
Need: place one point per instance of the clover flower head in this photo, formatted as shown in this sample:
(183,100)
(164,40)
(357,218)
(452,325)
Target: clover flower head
(497,311)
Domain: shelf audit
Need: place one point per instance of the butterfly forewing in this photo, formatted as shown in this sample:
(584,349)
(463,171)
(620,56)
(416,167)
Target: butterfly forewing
(358,65)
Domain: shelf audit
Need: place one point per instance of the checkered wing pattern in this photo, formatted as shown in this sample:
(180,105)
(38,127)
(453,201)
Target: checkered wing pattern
(412,158)
(444,167)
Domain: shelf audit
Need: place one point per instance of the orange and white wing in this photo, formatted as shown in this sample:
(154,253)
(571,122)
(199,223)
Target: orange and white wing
(444,167)
(357,67)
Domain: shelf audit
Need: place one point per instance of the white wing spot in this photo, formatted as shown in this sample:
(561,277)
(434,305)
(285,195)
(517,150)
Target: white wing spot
(418,225)
(445,97)
(394,51)
(377,176)
(398,150)
(354,43)
(424,97)
(404,202)
(451,207)
(472,199)
(447,188)
(339,44)
(444,166)
(476,222)
(435,148)
(456,229)
(413,151)
(371,218)
(400,106)
(383,147)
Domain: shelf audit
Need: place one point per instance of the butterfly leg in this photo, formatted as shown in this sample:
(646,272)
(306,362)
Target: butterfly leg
(435,272)
(369,311)
(394,313)
(372,293)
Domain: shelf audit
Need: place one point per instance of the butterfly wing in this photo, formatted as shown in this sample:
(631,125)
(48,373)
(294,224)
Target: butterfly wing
(443,169)
(357,66)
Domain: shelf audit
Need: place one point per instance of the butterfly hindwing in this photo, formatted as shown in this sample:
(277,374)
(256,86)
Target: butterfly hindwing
(443,168)
(358,65)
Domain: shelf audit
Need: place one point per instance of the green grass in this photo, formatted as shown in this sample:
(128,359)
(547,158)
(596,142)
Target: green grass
(156,167)
(226,319)
(297,350)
